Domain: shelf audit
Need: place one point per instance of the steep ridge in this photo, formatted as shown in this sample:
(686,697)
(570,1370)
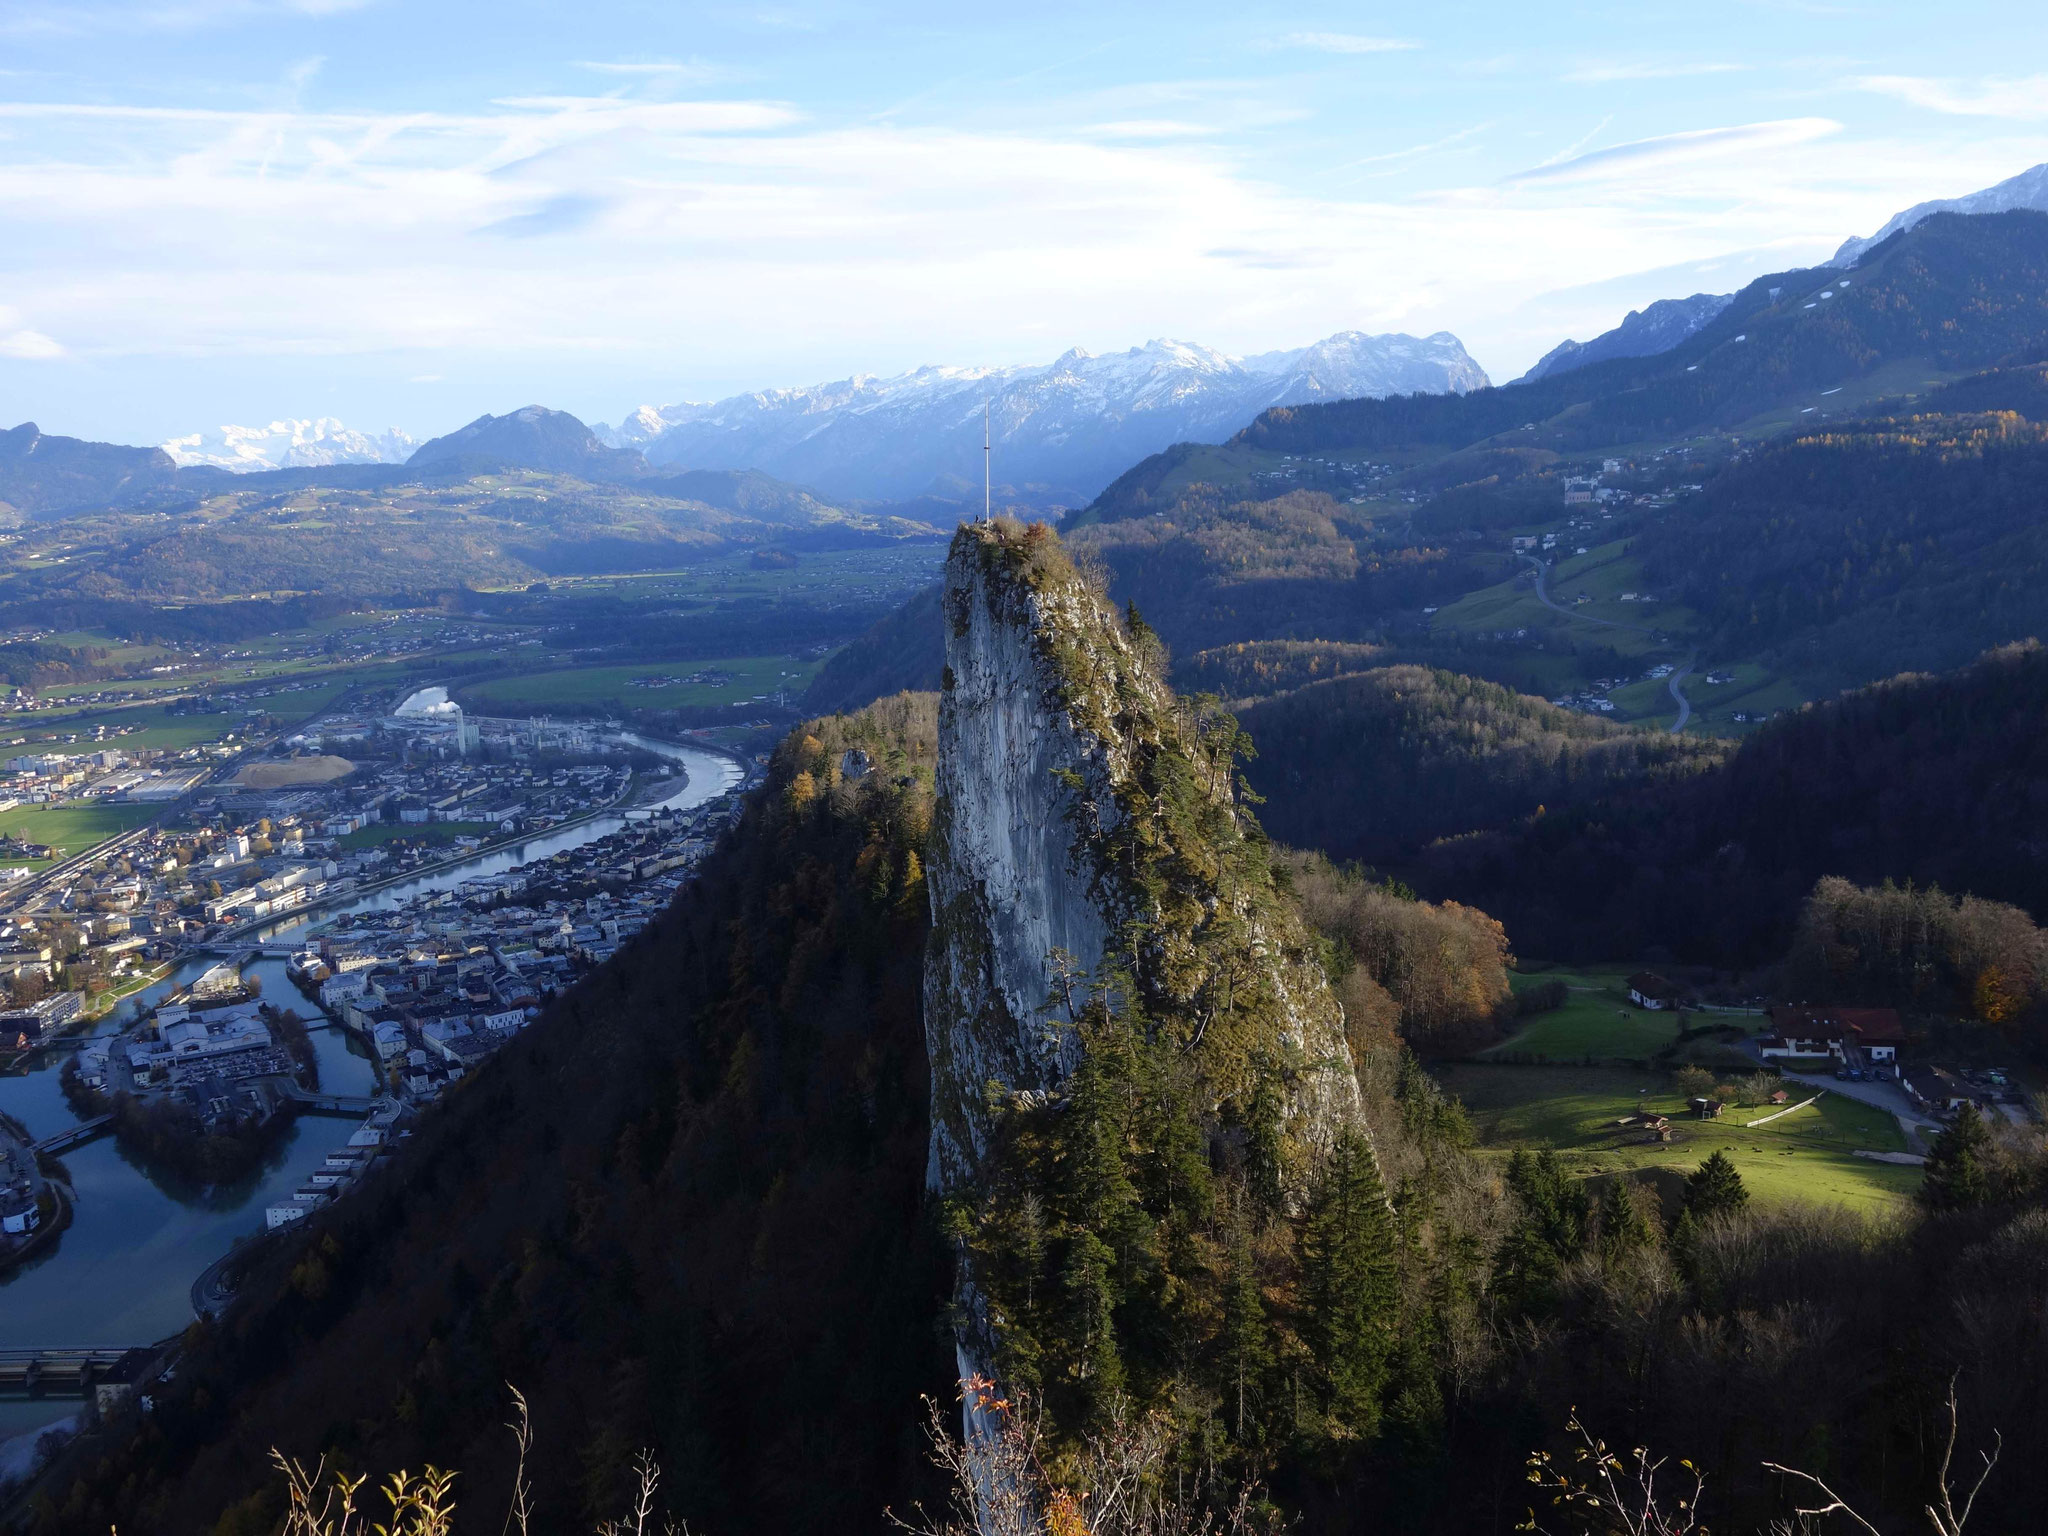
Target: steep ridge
(1644,332)
(1091,875)
(1953,294)
(2029,189)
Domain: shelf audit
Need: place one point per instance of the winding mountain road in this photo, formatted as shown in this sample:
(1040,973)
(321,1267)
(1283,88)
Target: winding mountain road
(1684,704)
(1677,677)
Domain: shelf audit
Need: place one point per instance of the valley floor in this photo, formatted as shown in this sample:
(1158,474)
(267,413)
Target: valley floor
(1807,1156)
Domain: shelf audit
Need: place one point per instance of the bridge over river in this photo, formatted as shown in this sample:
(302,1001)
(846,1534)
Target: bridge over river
(73,1136)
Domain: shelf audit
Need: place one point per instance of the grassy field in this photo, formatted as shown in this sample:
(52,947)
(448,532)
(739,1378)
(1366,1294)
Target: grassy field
(1598,1021)
(618,687)
(1603,573)
(1806,1156)
(429,832)
(70,829)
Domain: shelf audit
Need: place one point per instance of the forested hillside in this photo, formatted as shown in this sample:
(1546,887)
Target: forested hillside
(1836,559)
(1295,566)
(1938,780)
(1868,548)
(902,651)
(1378,764)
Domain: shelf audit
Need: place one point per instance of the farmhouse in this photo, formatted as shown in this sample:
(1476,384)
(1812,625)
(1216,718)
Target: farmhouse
(1646,989)
(1852,1036)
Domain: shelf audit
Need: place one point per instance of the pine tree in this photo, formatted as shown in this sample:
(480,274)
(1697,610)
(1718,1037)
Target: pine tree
(1713,1188)
(1247,1344)
(1623,1227)
(1958,1164)
(1262,1152)
(1095,1369)
(1551,1233)
(1349,1284)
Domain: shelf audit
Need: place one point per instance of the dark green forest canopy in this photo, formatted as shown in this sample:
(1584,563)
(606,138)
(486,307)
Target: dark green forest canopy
(1869,547)
(1378,764)
(1940,780)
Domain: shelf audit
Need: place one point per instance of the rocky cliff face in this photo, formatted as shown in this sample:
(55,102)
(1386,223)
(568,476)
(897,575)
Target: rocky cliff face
(1086,828)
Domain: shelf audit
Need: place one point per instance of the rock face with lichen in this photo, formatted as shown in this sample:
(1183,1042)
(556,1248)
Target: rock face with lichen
(1087,834)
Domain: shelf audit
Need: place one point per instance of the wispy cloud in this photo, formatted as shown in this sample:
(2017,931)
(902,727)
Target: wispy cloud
(1603,74)
(1150,128)
(1640,155)
(667,71)
(1345,42)
(74,18)
(29,346)
(2021,100)
(1416,151)
(1577,145)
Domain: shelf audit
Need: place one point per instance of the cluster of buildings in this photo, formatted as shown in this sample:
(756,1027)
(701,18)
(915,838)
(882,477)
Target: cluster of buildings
(437,985)
(1857,1045)
(341,1169)
(210,1050)
(106,774)
(250,852)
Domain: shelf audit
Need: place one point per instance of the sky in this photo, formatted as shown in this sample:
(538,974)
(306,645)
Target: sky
(410,212)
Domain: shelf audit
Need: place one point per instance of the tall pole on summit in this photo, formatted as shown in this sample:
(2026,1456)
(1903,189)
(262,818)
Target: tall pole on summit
(987,513)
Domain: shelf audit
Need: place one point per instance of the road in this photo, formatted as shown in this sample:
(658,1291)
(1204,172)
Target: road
(1684,704)
(1543,597)
(1677,677)
(1885,1096)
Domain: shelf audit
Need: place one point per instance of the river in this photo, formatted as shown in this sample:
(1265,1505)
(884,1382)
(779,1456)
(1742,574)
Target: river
(122,1272)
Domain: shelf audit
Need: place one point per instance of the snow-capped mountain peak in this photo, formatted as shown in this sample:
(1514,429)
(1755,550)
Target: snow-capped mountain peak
(290,444)
(1068,426)
(2028,190)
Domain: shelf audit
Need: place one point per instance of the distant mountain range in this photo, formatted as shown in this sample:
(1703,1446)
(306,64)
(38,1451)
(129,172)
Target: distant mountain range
(290,444)
(1663,325)
(1062,430)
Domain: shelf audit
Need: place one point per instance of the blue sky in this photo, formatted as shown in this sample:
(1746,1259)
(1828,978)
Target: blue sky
(409,212)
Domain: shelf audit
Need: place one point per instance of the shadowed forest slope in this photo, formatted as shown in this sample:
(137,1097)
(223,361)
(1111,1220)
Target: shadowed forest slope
(683,1211)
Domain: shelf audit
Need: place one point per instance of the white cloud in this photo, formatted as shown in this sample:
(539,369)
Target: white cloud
(1602,74)
(29,346)
(1149,128)
(664,71)
(71,18)
(2021,100)
(1346,42)
(735,240)
(1646,156)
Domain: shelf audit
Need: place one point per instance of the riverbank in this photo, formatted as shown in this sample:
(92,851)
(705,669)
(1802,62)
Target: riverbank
(45,1236)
